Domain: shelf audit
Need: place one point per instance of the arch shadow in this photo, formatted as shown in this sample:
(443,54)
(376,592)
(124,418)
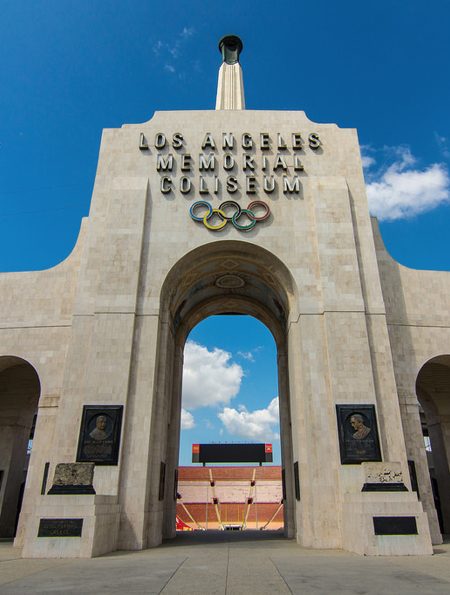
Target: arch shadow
(19,396)
(433,393)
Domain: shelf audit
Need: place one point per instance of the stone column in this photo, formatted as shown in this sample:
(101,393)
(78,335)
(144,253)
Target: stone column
(173,446)
(441,467)
(286,443)
(314,435)
(415,448)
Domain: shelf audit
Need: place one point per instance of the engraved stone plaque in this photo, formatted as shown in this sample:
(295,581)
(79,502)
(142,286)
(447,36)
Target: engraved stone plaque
(100,434)
(383,472)
(358,434)
(60,527)
(383,477)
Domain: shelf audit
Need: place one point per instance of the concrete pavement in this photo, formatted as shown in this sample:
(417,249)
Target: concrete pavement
(229,563)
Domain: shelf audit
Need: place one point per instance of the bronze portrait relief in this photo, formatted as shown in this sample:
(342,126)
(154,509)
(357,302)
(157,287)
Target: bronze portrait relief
(358,434)
(100,434)
(357,423)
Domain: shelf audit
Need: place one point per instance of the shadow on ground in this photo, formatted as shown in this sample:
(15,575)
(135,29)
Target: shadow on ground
(213,536)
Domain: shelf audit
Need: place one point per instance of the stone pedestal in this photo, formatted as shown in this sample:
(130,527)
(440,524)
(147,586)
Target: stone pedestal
(358,529)
(384,518)
(99,532)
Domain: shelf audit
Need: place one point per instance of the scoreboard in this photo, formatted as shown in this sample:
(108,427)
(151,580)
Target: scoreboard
(232,453)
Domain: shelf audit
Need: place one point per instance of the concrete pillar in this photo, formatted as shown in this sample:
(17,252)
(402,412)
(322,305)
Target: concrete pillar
(415,448)
(314,435)
(286,443)
(173,445)
(441,467)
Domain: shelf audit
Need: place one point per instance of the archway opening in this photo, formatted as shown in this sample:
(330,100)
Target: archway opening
(230,416)
(433,393)
(221,278)
(19,396)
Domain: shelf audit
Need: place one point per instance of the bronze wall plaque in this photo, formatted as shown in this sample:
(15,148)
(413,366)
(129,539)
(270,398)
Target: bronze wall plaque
(395,525)
(413,477)
(60,527)
(296,481)
(162,480)
(100,434)
(358,434)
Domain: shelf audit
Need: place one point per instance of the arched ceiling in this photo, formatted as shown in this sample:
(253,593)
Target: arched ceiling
(433,385)
(229,278)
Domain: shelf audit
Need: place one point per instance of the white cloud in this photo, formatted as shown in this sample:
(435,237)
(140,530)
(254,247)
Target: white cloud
(209,377)
(254,425)
(172,49)
(187,32)
(367,161)
(442,143)
(367,156)
(187,420)
(400,190)
(248,355)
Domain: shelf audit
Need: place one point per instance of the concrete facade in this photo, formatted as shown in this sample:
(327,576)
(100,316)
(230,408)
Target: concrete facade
(108,325)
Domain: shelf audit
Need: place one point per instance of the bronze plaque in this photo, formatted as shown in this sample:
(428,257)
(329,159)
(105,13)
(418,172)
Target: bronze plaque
(296,481)
(395,525)
(60,527)
(100,434)
(162,480)
(358,434)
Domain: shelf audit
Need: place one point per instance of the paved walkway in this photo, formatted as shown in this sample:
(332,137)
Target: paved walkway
(228,563)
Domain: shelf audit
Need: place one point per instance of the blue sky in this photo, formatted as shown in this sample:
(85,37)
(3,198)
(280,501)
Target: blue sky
(230,384)
(69,69)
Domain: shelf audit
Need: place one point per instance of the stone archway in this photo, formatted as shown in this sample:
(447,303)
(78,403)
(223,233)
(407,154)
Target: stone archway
(19,396)
(433,393)
(220,278)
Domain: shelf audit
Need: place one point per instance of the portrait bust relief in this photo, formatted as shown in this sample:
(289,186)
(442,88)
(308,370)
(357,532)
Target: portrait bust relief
(358,434)
(357,422)
(100,434)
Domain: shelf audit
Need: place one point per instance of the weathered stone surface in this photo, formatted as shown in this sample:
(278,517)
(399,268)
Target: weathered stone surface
(383,472)
(74,474)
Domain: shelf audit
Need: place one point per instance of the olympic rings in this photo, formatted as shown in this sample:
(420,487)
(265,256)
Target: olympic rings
(259,203)
(221,215)
(241,227)
(224,215)
(200,203)
(230,203)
